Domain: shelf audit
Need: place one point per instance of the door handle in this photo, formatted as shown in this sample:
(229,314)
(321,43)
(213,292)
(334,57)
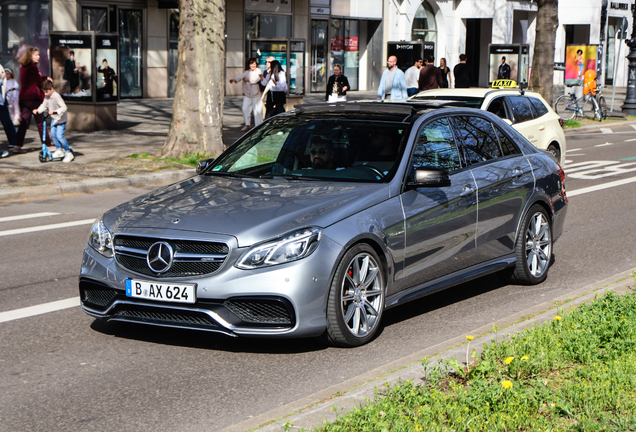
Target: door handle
(467,190)
(517,172)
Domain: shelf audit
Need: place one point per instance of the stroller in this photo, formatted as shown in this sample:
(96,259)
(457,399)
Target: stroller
(45,154)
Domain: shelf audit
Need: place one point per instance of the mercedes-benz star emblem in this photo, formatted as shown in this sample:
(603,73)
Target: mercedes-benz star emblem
(160,257)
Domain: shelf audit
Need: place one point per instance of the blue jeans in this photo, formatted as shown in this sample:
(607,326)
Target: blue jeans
(57,133)
(7,123)
(411,91)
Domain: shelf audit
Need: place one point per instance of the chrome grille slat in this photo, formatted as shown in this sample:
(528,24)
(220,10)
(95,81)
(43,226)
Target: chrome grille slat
(191,258)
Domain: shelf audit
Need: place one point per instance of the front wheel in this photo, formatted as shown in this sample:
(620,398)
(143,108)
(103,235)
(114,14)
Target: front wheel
(602,107)
(356,298)
(533,249)
(556,152)
(565,108)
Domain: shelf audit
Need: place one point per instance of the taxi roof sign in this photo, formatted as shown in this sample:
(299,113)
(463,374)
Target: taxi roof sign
(504,83)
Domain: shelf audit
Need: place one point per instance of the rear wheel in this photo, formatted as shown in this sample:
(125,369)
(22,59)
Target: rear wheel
(356,298)
(565,108)
(534,248)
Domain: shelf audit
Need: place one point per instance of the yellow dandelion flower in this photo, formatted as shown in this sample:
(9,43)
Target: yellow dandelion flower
(524,358)
(418,427)
(509,360)
(558,318)
(469,337)
(506,384)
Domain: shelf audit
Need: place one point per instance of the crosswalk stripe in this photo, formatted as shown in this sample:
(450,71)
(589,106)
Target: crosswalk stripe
(39,309)
(45,227)
(607,130)
(27,216)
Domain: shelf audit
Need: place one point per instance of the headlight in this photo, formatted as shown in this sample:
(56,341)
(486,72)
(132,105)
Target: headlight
(290,247)
(101,239)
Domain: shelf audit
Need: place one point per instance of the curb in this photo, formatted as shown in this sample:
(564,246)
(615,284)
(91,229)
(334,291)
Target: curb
(94,185)
(328,404)
(598,126)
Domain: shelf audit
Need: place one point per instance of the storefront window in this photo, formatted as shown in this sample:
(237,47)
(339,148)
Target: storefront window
(319,52)
(130,49)
(424,27)
(266,26)
(24,24)
(344,48)
(173,50)
(95,19)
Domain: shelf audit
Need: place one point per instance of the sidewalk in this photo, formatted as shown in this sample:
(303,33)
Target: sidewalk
(142,128)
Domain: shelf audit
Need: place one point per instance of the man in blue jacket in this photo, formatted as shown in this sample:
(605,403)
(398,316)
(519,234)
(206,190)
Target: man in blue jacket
(393,83)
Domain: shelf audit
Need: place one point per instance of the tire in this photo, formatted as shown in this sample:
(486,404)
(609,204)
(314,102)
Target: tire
(533,249)
(589,109)
(556,152)
(355,304)
(41,157)
(561,107)
(603,106)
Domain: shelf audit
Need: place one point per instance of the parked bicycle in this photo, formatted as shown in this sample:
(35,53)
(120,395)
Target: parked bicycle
(589,105)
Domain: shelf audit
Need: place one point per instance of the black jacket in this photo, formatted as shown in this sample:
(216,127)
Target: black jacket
(341,82)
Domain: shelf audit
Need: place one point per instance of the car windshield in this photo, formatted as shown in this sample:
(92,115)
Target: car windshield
(471,101)
(330,148)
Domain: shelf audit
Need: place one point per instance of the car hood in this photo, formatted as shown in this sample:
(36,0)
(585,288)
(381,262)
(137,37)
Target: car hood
(252,210)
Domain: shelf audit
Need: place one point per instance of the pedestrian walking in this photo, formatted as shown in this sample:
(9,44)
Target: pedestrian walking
(504,69)
(412,75)
(252,97)
(337,85)
(55,106)
(269,105)
(446,73)
(430,76)
(5,117)
(31,96)
(13,95)
(393,83)
(276,89)
(463,73)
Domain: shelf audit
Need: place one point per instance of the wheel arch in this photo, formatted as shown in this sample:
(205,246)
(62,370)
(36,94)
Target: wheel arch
(543,202)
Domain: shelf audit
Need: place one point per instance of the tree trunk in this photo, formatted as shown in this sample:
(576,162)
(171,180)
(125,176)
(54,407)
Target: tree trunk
(197,111)
(542,75)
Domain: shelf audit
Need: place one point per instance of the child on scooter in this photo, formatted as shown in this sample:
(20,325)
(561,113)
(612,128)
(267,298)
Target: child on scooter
(55,106)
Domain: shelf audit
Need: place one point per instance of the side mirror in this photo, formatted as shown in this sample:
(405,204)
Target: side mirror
(203,164)
(429,177)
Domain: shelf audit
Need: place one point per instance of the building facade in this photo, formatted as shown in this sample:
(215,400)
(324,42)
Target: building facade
(310,36)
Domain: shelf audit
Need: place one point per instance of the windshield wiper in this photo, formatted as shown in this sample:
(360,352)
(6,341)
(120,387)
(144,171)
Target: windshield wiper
(229,174)
(287,177)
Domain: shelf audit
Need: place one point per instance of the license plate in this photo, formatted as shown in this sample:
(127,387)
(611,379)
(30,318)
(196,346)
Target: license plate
(167,292)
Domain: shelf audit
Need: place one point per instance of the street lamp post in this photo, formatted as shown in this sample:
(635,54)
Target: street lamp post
(629,106)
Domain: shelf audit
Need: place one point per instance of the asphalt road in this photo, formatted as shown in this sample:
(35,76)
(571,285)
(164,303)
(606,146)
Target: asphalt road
(63,370)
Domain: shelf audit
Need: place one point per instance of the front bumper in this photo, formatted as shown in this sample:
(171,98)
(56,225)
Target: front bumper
(284,300)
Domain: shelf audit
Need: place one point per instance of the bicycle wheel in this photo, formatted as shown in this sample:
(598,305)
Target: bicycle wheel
(589,109)
(565,108)
(603,106)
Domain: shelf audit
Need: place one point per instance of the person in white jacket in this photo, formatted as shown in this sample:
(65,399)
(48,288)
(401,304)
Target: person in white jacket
(275,89)
(252,92)
(12,96)
(55,106)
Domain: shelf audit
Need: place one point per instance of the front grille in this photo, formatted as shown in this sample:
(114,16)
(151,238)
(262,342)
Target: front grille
(191,258)
(168,317)
(260,311)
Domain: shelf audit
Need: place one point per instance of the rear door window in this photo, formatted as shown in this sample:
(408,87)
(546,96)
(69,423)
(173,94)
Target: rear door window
(538,106)
(478,138)
(520,108)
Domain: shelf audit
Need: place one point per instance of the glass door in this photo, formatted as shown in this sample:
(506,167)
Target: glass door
(130,52)
(319,53)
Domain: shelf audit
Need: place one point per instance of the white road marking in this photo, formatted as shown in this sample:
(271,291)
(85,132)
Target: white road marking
(46,227)
(603,145)
(26,216)
(572,150)
(576,155)
(606,130)
(630,140)
(600,187)
(39,309)
(633,126)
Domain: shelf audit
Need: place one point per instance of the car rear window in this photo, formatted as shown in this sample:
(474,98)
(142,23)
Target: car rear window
(520,108)
(538,106)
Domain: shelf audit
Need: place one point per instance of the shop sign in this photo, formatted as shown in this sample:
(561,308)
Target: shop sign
(320,11)
(351,44)
(337,43)
(619,6)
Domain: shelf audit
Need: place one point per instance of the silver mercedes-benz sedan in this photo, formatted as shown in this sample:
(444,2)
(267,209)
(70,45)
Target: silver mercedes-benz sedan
(318,220)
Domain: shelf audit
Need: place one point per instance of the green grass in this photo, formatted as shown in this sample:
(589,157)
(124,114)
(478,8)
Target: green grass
(574,373)
(186,159)
(572,123)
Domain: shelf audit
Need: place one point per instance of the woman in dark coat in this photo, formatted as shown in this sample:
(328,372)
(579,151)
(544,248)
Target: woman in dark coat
(337,85)
(31,96)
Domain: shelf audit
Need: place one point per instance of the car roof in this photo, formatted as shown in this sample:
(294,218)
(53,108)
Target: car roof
(477,92)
